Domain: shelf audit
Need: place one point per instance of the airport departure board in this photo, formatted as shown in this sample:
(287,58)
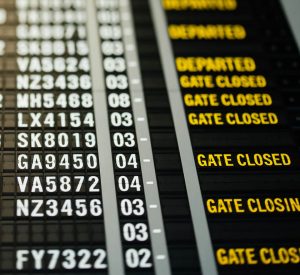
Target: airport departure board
(154,137)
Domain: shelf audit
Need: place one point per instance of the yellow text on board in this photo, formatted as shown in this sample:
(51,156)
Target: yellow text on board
(252,205)
(228,100)
(253,256)
(233,119)
(207,32)
(222,81)
(215,64)
(208,160)
(181,5)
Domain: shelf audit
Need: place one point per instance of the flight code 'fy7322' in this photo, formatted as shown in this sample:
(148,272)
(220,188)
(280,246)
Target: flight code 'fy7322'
(66,259)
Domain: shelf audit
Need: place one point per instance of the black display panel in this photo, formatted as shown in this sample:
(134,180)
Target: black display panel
(149,137)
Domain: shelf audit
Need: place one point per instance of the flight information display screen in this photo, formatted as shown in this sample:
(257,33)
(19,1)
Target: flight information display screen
(154,137)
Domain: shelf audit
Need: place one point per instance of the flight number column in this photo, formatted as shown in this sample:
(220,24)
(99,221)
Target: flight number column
(7,121)
(57,179)
(128,178)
